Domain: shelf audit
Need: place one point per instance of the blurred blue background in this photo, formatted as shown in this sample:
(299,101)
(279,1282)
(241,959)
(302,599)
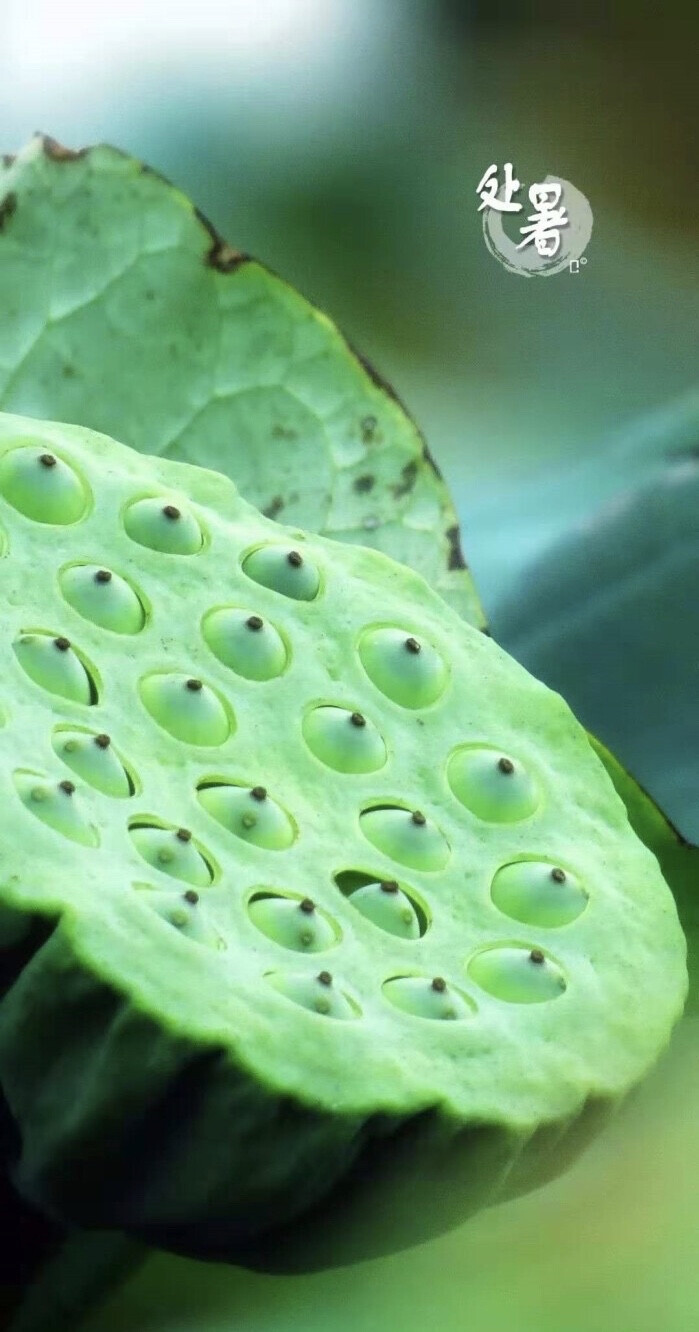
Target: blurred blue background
(341,142)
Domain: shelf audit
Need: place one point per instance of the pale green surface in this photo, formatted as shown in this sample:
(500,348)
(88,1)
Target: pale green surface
(506,1062)
(122,311)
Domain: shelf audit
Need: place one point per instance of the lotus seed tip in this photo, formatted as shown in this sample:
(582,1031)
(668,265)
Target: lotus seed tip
(103,576)
(171,511)
(184,835)
(506,765)
(357,719)
(439,984)
(191,897)
(67,786)
(254,622)
(419,818)
(325,978)
(47,460)
(194,685)
(558,875)
(308,906)
(294,559)
(389,886)
(259,793)
(102,741)
(62,644)
(536,956)
(412,645)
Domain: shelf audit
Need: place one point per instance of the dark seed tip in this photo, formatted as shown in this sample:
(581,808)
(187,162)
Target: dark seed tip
(325,978)
(308,906)
(62,644)
(357,719)
(254,622)
(191,897)
(102,741)
(68,787)
(194,685)
(183,835)
(389,886)
(506,765)
(558,875)
(536,956)
(259,793)
(171,511)
(103,576)
(412,645)
(294,559)
(47,460)
(439,984)
(418,818)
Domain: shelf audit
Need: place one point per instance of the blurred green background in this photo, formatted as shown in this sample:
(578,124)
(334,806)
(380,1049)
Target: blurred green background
(341,141)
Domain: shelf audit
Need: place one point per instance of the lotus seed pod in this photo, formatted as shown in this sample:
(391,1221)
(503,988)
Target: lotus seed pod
(163,526)
(386,905)
(41,485)
(94,759)
(293,923)
(243,641)
(492,785)
(285,570)
(53,663)
(186,707)
(299,917)
(104,597)
(344,740)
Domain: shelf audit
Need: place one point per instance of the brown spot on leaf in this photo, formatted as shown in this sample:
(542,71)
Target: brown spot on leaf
(8,159)
(363,484)
(58,152)
(274,507)
(430,460)
(368,426)
(456,555)
(409,477)
(8,206)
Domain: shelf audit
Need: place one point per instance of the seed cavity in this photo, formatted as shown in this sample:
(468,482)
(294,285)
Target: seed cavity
(184,912)
(56,805)
(53,664)
(409,672)
(186,708)
(293,924)
(42,487)
(516,974)
(256,819)
(388,906)
(491,785)
(430,999)
(102,597)
(316,993)
(343,740)
(534,892)
(163,527)
(164,849)
(407,837)
(283,570)
(245,643)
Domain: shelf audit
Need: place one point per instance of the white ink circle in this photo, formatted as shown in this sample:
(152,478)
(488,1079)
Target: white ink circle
(527,262)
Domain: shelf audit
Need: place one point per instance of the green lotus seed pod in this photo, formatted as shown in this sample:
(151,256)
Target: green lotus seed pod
(293,923)
(93,757)
(344,740)
(42,486)
(54,664)
(386,905)
(432,999)
(538,893)
(283,569)
(56,804)
(186,707)
(249,813)
(492,785)
(517,975)
(160,994)
(406,837)
(163,526)
(103,597)
(319,994)
(185,912)
(405,668)
(172,851)
(246,643)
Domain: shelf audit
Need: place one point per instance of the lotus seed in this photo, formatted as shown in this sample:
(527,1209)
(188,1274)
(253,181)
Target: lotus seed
(246,644)
(164,528)
(186,708)
(106,599)
(283,571)
(42,487)
(408,672)
(54,665)
(524,890)
(343,740)
(491,787)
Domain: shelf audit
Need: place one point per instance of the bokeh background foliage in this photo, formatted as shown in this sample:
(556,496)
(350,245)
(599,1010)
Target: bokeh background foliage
(341,141)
